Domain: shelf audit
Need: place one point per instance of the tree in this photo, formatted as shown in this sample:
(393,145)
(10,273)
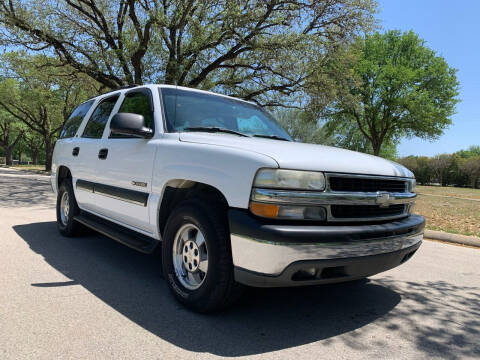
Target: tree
(471,167)
(473,150)
(34,144)
(421,166)
(444,168)
(300,127)
(402,89)
(303,126)
(10,135)
(253,49)
(41,94)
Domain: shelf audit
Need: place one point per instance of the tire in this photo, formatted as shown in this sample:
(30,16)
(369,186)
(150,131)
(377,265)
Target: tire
(216,289)
(65,223)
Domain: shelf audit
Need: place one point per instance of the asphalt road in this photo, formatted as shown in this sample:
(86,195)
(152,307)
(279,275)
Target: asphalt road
(90,297)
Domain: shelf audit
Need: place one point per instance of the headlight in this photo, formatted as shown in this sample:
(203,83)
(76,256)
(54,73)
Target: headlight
(413,186)
(289,179)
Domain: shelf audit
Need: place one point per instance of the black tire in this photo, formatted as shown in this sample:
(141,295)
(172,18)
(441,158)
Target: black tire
(219,289)
(67,226)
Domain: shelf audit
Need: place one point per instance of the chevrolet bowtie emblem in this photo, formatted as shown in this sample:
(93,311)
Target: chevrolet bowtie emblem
(384,199)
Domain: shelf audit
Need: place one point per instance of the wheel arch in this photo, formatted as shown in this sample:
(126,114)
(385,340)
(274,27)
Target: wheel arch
(177,190)
(63,172)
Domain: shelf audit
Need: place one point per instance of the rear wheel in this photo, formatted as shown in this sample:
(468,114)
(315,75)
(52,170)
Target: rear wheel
(67,209)
(196,256)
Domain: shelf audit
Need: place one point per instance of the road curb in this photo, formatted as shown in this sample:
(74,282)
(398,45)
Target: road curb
(452,238)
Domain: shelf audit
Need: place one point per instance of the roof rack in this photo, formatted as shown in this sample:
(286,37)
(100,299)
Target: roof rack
(121,88)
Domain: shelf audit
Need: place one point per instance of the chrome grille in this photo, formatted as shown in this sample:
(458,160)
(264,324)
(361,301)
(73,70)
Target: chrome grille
(383,188)
(359,184)
(350,197)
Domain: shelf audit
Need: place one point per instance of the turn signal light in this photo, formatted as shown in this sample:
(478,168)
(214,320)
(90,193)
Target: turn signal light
(265,210)
(288,212)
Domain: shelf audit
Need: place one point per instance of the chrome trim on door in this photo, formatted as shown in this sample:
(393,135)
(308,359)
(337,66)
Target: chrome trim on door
(114,192)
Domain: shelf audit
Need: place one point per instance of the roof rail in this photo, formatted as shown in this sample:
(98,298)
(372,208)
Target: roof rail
(121,88)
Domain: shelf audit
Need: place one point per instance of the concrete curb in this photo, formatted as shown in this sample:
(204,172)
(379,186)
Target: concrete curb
(452,238)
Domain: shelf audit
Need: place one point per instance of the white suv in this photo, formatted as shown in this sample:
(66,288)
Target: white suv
(228,195)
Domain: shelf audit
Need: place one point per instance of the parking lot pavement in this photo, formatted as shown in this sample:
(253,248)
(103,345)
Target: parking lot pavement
(90,297)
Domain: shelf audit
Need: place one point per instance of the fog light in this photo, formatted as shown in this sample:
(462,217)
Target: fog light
(305,274)
(301,212)
(288,212)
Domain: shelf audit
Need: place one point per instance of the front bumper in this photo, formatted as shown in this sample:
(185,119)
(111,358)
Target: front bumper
(275,254)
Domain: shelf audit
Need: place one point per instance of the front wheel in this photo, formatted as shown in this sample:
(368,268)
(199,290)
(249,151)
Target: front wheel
(196,256)
(67,208)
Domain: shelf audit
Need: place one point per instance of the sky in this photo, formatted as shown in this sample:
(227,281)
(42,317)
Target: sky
(452,29)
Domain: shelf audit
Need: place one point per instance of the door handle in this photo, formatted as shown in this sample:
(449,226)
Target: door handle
(102,154)
(75,151)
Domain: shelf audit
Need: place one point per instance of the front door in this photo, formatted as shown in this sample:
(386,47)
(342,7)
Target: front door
(124,174)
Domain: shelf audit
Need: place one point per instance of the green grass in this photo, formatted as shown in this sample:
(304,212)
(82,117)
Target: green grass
(29,167)
(33,168)
(449,209)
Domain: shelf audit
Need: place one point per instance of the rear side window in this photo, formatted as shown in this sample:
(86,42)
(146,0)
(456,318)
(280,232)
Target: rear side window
(138,103)
(98,120)
(73,122)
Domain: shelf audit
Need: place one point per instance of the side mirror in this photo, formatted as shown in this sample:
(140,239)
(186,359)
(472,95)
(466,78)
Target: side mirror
(130,124)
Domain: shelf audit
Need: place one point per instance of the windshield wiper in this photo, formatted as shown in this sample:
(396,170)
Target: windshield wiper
(271,137)
(214,129)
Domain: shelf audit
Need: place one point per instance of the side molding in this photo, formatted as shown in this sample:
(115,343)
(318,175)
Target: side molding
(131,196)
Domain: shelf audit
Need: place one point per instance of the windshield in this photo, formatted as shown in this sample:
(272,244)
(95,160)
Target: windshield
(189,110)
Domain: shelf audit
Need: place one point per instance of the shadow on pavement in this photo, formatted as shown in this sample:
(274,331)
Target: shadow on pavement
(22,189)
(263,321)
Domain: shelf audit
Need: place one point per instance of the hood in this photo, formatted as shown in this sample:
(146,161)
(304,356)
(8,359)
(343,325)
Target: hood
(300,156)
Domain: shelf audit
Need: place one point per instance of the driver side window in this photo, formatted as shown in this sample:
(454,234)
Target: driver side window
(137,103)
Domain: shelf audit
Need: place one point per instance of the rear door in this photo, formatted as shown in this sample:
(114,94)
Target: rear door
(125,173)
(89,146)
(66,148)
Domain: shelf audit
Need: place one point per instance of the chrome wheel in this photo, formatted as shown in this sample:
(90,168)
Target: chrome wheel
(64,208)
(190,256)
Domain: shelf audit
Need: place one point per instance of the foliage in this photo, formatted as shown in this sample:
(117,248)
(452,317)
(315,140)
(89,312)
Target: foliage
(446,169)
(471,168)
(473,150)
(301,128)
(420,166)
(257,50)
(11,133)
(41,95)
(400,88)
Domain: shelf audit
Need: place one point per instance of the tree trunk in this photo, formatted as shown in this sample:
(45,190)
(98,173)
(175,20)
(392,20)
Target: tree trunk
(8,156)
(48,154)
(19,157)
(35,157)
(376,149)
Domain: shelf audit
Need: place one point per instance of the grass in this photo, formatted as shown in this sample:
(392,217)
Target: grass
(33,168)
(29,167)
(449,209)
